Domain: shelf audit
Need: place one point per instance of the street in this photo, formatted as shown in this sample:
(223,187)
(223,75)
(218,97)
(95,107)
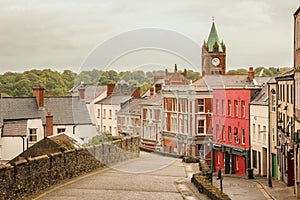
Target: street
(149,177)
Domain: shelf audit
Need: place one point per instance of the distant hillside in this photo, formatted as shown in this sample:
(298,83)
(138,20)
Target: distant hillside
(272,71)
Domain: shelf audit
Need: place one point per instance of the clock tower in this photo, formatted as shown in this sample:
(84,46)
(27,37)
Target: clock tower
(213,54)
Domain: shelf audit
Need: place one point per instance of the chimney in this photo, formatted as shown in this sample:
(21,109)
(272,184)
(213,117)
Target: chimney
(151,91)
(81,92)
(157,88)
(110,89)
(137,93)
(38,92)
(49,124)
(251,73)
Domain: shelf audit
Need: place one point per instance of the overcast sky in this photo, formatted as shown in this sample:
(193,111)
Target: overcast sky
(61,35)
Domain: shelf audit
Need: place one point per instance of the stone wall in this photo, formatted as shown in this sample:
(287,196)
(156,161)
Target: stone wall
(24,178)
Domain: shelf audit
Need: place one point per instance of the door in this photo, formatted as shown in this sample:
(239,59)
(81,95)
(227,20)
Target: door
(274,166)
(227,163)
(259,164)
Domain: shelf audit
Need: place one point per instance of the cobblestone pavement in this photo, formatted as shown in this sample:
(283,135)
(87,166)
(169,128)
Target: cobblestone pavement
(148,177)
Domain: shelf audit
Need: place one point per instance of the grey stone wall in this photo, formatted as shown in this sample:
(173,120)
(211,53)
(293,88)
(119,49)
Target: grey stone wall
(24,178)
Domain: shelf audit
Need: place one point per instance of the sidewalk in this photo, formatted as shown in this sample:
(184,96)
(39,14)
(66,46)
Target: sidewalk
(240,187)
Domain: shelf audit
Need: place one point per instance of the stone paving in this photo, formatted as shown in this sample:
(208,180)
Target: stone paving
(148,177)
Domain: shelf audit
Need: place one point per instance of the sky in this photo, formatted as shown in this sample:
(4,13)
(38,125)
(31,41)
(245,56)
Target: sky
(39,34)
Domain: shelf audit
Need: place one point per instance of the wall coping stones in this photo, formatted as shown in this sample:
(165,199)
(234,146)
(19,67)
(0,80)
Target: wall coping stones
(43,157)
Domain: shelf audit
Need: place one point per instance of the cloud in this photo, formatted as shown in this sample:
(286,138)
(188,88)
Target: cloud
(36,33)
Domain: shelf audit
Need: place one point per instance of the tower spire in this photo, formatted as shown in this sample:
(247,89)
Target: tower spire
(213,38)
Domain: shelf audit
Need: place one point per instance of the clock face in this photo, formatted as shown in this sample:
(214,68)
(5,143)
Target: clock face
(215,61)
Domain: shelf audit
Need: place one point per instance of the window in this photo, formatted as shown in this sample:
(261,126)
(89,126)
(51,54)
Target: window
(32,135)
(104,128)
(110,114)
(223,107)
(258,133)
(217,106)
(229,134)
(237,162)
(236,108)
(254,158)
(283,93)
(217,131)
(291,94)
(236,135)
(104,114)
(287,93)
(273,101)
(201,126)
(200,105)
(243,109)
(229,108)
(98,113)
(243,136)
(110,129)
(61,130)
(174,103)
(223,133)
(253,133)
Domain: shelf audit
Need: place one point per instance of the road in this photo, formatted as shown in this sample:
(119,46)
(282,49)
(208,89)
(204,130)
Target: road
(148,177)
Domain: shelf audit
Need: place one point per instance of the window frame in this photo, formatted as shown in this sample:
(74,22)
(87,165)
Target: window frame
(32,137)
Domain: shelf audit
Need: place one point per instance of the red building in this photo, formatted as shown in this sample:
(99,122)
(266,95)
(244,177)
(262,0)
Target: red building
(231,137)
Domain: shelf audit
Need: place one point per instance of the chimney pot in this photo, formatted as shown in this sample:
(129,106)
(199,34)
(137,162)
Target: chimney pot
(251,73)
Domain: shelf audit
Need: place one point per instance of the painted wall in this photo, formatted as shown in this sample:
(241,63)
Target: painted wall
(11,147)
(259,140)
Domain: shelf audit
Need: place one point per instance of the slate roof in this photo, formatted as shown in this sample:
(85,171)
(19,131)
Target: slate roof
(114,99)
(67,110)
(15,128)
(91,91)
(155,99)
(12,108)
(223,81)
(262,98)
(132,107)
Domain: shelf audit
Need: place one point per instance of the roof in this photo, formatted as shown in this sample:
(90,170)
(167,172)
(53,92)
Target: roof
(47,146)
(262,97)
(155,99)
(213,38)
(223,81)
(261,80)
(15,128)
(67,110)
(114,99)
(65,140)
(91,91)
(12,108)
(132,107)
(286,75)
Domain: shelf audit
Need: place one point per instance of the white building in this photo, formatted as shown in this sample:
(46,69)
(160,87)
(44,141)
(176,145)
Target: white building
(259,130)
